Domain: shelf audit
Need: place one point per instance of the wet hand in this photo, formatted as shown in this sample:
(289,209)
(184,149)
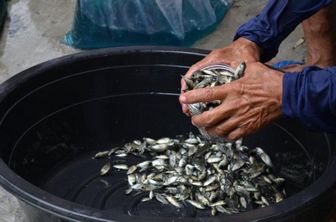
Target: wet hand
(240,50)
(248,103)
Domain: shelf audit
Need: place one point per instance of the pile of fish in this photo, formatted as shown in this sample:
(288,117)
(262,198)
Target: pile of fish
(225,177)
(211,76)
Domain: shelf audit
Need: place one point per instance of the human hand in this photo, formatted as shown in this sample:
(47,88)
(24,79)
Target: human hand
(248,103)
(240,50)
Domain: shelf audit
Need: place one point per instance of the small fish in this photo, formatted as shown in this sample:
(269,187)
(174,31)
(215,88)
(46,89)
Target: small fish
(221,209)
(189,82)
(101,154)
(240,70)
(267,179)
(192,141)
(202,175)
(196,183)
(149,141)
(154,182)
(182,180)
(209,181)
(182,162)
(237,165)
(264,200)
(213,211)
(105,169)
(204,201)
(192,150)
(164,140)
(161,198)
(131,179)
(137,142)
(163,157)
(214,159)
(144,164)
(218,203)
(172,159)
(128,190)
(243,202)
(112,151)
(209,72)
(216,167)
(159,147)
(263,156)
(151,194)
(278,197)
(211,187)
(213,195)
(222,177)
(196,204)
(158,162)
(189,169)
(121,155)
(137,186)
(145,199)
(173,201)
(224,162)
(257,195)
(121,166)
(132,169)
(279,180)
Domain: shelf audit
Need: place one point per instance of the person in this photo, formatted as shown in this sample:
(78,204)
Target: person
(306,92)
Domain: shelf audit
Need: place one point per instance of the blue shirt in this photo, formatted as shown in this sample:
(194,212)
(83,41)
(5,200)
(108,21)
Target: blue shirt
(309,95)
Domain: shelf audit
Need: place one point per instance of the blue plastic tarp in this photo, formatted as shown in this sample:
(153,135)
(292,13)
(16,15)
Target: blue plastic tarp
(101,23)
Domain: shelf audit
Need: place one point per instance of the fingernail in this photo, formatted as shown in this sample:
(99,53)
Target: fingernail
(183,99)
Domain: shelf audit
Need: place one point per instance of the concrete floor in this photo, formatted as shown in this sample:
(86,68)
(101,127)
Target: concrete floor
(34,30)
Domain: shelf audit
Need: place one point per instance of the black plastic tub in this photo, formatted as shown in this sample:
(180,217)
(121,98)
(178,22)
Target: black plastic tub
(56,115)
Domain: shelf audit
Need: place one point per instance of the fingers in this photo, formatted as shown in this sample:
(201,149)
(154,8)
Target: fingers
(206,94)
(224,128)
(214,116)
(185,110)
(183,85)
(228,129)
(215,57)
(236,134)
(191,70)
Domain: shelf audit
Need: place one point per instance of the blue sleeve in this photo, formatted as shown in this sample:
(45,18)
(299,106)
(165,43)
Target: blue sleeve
(311,96)
(276,21)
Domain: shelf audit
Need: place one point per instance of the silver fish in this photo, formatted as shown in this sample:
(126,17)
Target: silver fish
(173,201)
(196,204)
(199,171)
(159,147)
(164,140)
(161,198)
(131,169)
(209,181)
(105,169)
(101,154)
(121,166)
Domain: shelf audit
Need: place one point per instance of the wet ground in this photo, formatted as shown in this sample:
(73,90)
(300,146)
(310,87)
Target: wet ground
(34,30)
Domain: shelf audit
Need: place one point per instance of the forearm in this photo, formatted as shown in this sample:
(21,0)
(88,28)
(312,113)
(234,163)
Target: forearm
(311,97)
(276,21)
